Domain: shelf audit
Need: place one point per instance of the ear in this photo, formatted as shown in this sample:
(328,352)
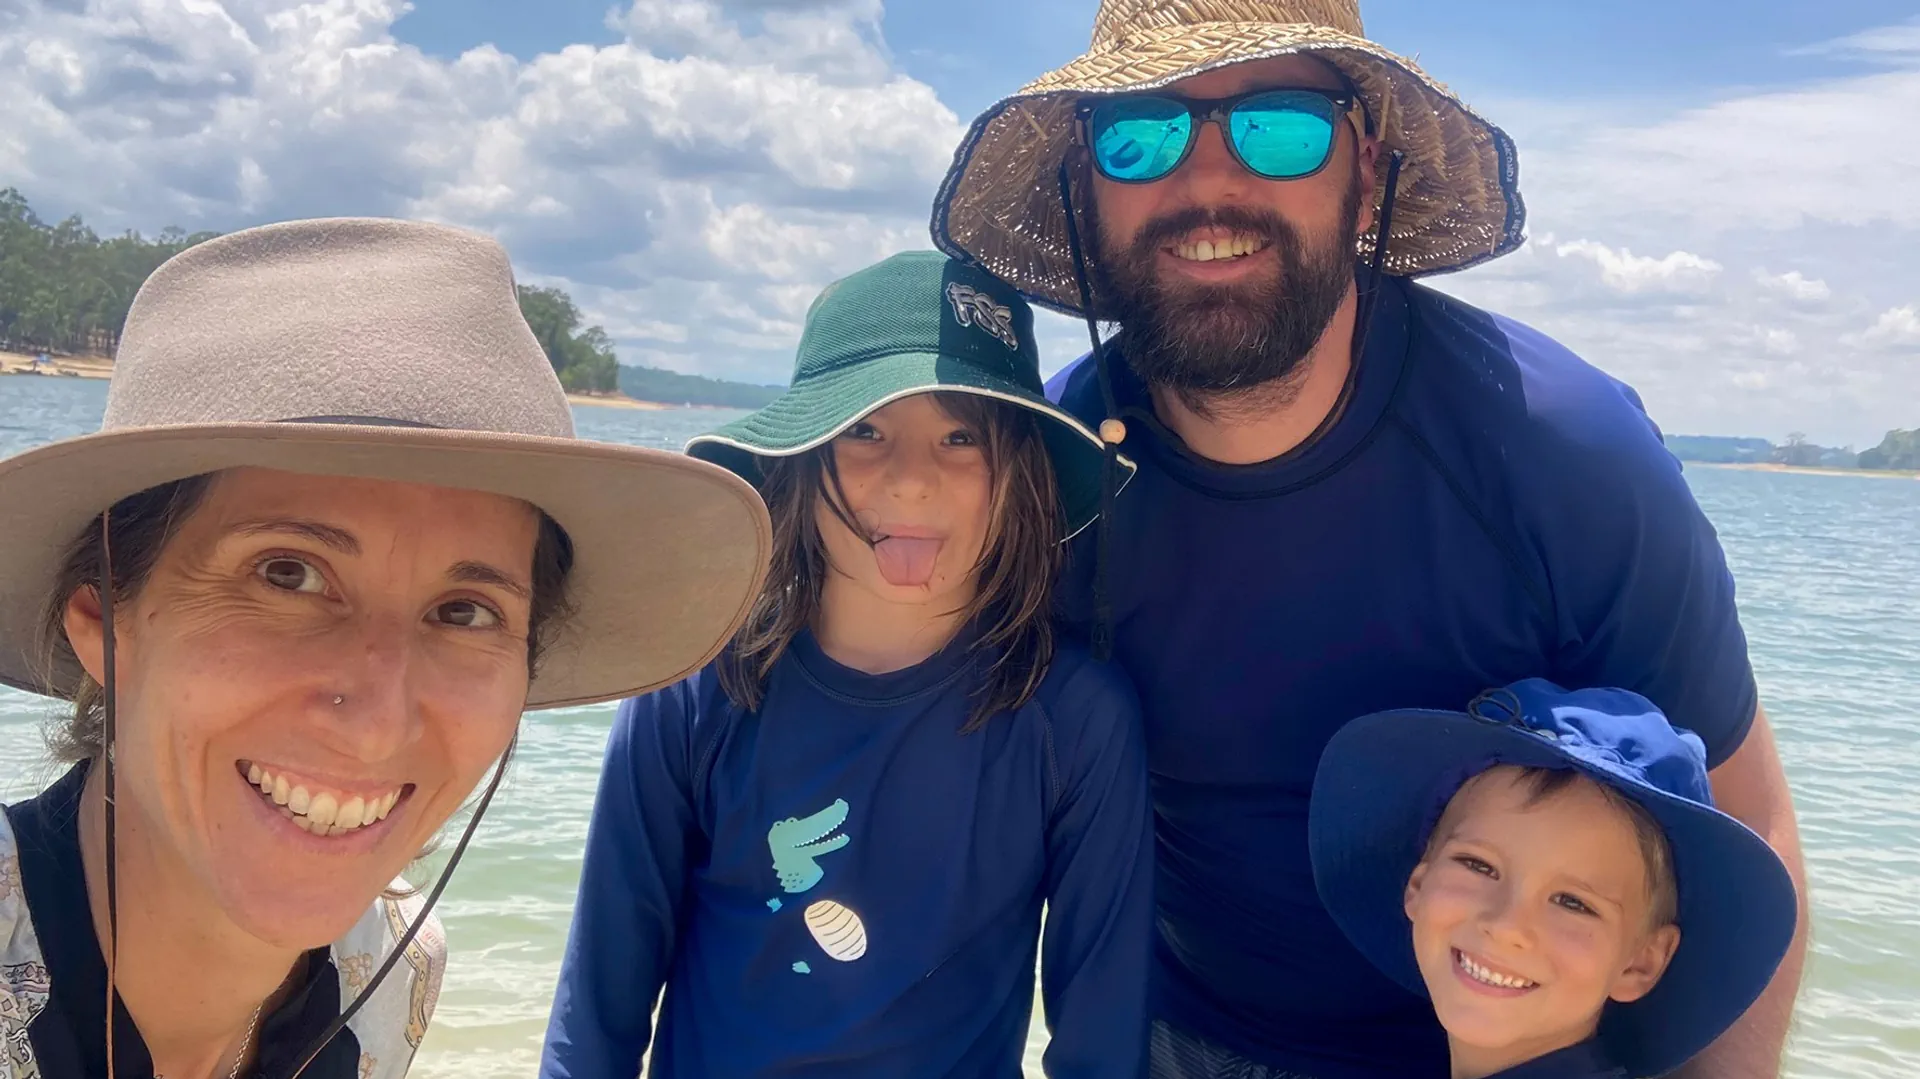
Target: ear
(86,631)
(1413,889)
(1648,964)
(1367,176)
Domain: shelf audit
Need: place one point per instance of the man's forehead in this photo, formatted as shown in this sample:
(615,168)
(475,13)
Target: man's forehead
(1293,70)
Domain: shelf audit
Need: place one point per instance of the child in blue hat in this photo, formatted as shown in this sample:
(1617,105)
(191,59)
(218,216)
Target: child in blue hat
(1548,868)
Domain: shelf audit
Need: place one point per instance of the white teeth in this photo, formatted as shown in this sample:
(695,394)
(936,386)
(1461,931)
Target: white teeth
(1481,974)
(322,814)
(1235,246)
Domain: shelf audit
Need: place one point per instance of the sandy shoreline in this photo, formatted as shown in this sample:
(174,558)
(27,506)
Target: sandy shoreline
(1868,473)
(16,363)
(621,400)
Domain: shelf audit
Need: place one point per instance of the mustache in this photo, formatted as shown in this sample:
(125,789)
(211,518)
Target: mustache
(1164,230)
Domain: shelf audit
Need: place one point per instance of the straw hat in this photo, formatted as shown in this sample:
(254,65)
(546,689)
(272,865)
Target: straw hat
(389,350)
(1458,202)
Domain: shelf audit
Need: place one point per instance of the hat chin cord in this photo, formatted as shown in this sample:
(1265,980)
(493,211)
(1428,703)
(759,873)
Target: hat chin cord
(1113,430)
(109,730)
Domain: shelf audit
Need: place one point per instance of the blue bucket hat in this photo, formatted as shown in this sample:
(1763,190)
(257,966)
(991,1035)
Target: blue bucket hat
(1385,779)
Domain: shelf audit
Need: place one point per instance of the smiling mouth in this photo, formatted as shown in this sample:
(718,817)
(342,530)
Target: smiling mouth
(1236,245)
(1486,975)
(318,810)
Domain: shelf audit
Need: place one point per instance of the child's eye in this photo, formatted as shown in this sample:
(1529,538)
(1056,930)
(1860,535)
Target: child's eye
(962,437)
(861,432)
(1572,903)
(1476,865)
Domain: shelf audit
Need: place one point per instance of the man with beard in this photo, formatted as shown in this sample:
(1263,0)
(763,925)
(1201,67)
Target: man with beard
(1354,493)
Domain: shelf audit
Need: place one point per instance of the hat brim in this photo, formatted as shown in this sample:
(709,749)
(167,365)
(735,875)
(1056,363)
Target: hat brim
(668,552)
(1379,789)
(1458,202)
(815,412)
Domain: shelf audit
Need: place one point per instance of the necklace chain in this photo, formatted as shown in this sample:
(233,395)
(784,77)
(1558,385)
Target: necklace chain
(245,1040)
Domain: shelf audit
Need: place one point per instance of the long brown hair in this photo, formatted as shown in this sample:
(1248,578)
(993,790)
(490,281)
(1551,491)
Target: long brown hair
(1013,598)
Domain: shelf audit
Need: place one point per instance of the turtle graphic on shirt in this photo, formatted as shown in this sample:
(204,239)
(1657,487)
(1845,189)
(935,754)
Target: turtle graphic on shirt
(797,841)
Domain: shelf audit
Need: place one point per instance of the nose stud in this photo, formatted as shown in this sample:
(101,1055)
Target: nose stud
(338,701)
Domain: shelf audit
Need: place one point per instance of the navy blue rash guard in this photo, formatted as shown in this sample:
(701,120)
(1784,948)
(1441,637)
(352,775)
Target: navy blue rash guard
(842,884)
(1485,508)
(1587,1060)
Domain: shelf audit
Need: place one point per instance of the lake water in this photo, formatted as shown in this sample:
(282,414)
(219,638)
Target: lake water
(1829,573)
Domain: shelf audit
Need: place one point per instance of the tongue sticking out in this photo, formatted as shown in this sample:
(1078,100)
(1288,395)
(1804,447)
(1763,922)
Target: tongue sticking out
(906,561)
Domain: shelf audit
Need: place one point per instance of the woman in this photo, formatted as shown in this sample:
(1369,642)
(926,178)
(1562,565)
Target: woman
(334,536)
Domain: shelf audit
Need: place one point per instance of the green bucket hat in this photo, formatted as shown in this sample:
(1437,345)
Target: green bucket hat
(918,322)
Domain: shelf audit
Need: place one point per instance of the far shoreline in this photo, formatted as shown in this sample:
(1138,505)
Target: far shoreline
(95,367)
(1806,470)
(616,400)
(101,367)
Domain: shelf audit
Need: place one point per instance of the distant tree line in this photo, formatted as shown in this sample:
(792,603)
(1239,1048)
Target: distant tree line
(66,291)
(1899,452)
(63,289)
(674,388)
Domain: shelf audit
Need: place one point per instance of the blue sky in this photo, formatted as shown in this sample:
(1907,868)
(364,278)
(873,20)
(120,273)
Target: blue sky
(1720,205)
(974,52)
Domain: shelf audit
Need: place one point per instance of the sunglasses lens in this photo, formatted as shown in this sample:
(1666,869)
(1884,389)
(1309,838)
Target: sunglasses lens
(1285,134)
(1139,138)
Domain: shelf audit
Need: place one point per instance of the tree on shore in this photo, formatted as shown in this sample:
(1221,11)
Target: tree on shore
(1899,451)
(66,291)
(583,359)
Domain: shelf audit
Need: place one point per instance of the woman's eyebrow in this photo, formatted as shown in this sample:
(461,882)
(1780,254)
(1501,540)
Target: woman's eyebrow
(326,535)
(341,540)
(481,573)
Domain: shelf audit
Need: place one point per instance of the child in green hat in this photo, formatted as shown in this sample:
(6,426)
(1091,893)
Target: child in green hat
(833,847)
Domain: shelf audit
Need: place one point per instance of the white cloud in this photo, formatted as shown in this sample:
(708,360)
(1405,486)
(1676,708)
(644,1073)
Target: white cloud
(687,184)
(1746,262)
(1626,272)
(1794,286)
(1802,198)
(1895,329)
(1896,44)
(1775,341)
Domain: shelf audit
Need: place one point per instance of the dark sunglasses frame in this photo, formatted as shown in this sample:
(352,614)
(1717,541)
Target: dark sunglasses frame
(1218,111)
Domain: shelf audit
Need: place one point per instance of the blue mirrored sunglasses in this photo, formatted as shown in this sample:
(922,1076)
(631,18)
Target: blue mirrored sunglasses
(1274,134)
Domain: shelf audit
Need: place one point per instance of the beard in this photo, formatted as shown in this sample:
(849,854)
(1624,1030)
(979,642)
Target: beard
(1208,343)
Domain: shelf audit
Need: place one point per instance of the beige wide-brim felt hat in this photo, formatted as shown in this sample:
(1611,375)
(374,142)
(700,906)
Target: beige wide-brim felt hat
(388,350)
(1458,202)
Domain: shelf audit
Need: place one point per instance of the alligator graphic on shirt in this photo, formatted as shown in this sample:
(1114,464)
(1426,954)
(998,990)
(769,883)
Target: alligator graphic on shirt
(797,841)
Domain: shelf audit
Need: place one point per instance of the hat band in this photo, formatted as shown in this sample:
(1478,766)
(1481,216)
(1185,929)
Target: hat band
(364,421)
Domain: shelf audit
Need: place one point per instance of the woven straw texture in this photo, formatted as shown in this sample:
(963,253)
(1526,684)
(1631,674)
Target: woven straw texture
(1458,202)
